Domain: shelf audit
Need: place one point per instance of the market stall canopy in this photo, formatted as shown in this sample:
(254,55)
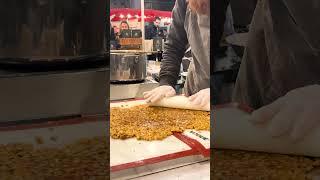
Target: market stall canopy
(129,14)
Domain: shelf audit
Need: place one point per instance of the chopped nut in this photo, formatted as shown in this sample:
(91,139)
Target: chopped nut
(154,123)
(85,158)
(230,164)
(39,140)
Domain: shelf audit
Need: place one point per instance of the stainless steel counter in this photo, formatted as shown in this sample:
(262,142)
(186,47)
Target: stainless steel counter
(130,91)
(45,95)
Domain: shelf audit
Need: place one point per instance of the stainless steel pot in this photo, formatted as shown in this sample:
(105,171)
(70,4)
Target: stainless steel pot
(51,29)
(128,67)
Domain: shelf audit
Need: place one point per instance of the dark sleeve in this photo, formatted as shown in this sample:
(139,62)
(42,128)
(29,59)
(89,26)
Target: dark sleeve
(147,32)
(219,11)
(112,36)
(219,16)
(175,46)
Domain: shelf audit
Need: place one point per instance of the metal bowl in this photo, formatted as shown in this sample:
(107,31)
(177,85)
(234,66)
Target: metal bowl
(128,67)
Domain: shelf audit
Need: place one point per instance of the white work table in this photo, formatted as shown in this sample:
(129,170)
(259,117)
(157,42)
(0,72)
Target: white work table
(199,171)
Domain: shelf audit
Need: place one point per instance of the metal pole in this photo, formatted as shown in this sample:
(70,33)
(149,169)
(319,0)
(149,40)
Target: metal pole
(142,25)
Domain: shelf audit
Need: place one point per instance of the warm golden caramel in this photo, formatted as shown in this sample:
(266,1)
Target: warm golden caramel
(228,164)
(154,123)
(86,158)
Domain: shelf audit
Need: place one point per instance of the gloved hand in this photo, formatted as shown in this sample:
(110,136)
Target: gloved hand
(201,98)
(159,93)
(294,114)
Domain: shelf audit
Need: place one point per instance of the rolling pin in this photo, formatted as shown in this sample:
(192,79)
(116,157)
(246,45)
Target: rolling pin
(180,102)
(233,130)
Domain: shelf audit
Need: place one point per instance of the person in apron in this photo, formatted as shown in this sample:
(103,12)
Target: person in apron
(280,71)
(190,25)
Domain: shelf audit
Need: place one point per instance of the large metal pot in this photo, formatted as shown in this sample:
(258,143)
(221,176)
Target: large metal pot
(51,30)
(128,67)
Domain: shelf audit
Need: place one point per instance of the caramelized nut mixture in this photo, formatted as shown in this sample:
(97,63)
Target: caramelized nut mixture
(85,158)
(154,123)
(229,164)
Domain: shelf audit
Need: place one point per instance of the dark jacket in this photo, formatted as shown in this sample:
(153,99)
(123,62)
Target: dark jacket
(151,31)
(282,53)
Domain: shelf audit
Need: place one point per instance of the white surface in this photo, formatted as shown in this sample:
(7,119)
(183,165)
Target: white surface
(64,134)
(181,102)
(132,150)
(198,171)
(232,130)
(202,137)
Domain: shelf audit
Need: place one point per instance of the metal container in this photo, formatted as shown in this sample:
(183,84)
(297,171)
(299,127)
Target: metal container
(51,30)
(65,40)
(128,67)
